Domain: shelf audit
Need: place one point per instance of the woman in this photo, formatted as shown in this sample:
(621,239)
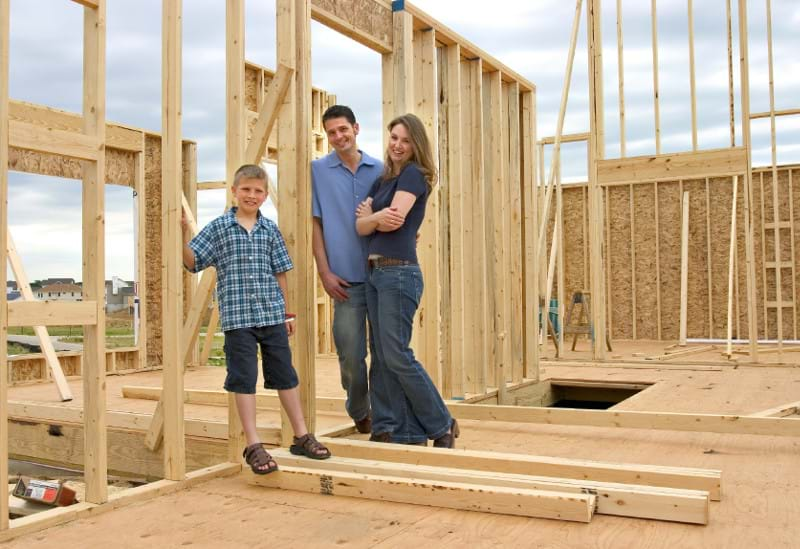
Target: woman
(406,407)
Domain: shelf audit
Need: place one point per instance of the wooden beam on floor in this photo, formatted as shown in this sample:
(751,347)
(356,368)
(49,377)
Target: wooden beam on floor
(624,473)
(623,500)
(669,421)
(450,495)
(793,408)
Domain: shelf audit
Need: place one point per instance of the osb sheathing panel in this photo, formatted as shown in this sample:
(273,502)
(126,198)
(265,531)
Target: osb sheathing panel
(646,271)
(119,165)
(697,288)
(574,207)
(619,256)
(367,16)
(709,213)
(152,177)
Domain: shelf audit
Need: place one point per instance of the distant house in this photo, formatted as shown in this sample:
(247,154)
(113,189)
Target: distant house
(51,281)
(59,292)
(13,296)
(118,294)
(11,286)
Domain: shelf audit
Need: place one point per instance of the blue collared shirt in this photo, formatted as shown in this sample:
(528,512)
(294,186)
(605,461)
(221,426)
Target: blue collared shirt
(246,263)
(335,194)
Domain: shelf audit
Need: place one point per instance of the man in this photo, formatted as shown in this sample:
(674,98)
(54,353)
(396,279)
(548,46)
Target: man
(340,181)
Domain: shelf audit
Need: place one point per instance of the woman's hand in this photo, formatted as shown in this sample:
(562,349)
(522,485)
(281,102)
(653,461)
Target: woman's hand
(364,208)
(389,219)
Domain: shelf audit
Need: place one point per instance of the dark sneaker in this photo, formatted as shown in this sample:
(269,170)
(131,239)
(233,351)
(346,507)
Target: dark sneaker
(380,437)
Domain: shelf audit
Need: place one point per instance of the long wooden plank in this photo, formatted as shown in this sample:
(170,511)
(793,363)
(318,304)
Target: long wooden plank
(171,243)
(29,136)
(268,114)
(684,269)
(45,343)
(117,136)
(521,464)
(531,220)
(4,145)
(52,313)
(690,165)
(94,333)
(368,23)
(784,410)
(219,398)
(132,421)
(670,421)
(625,500)
(435,493)
(294,189)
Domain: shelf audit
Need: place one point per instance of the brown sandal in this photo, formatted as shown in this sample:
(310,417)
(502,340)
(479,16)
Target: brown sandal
(256,457)
(448,440)
(309,446)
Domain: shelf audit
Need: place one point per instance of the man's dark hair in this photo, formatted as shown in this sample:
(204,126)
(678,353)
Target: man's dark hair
(339,111)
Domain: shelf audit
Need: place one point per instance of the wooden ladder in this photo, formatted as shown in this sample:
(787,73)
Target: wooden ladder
(584,324)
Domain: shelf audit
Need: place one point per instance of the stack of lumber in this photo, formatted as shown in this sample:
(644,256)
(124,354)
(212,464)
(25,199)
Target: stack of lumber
(513,484)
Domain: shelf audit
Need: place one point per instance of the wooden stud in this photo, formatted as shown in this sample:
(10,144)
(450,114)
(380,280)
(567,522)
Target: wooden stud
(235,136)
(294,191)
(693,92)
(428,317)
(211,330)
(731,265)
(657,110)
(171,244)
(530,196)
(791,240)
(684,267)
(516,236)
(94,355)
(633,258)
(53,313)
(776,213)
(744,73)
(709,263)
(189,203)
(597,153)
(454,382)
(770,114)
(140,194)
(435,493)
(45,343)
(731,108)
(4,366)
(523,464)
(24,135)
(763,231)
(480,225)
(621,78)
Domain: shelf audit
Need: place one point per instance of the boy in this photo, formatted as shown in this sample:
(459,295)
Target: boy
(251,259)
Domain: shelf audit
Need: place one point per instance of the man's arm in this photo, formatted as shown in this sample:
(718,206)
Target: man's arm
(334,286)
(281,278)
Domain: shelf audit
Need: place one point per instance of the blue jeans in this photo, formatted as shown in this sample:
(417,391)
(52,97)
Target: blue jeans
(405,402)
(350,337)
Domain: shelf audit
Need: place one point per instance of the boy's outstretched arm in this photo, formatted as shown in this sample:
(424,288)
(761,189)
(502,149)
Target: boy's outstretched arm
(281,278)
(188,253)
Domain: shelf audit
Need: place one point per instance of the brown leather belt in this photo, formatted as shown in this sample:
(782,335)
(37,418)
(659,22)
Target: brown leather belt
(389,262)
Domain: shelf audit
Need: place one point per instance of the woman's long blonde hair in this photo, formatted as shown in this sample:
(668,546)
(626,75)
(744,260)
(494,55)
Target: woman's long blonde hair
(422,155)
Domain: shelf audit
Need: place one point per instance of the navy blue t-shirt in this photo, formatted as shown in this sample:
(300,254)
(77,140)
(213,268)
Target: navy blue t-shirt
(401,243)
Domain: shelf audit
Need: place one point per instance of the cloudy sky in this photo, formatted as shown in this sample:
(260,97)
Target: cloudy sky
(531,37)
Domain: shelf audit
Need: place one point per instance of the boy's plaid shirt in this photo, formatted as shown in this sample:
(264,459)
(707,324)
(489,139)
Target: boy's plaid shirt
(248,293)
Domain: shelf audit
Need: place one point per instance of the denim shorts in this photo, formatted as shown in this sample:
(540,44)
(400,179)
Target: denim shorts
(241,357)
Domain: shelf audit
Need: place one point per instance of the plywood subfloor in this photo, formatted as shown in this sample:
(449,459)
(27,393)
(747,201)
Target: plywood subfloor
(761,484)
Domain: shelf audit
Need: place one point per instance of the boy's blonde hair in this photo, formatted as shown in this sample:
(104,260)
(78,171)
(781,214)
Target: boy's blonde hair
(249,171)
